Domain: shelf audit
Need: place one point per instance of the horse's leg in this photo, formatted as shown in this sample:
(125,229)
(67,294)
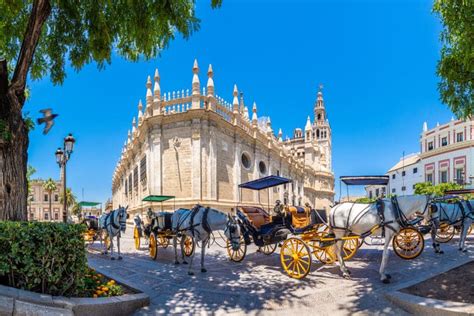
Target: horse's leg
(111,238)
(190,270)
(175,244)
(436,245)
(385,278)
(203,252)
(342,265)
(118,246)
(465,227)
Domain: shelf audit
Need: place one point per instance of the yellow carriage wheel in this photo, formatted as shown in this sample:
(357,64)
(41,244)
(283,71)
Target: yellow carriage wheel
(239,254)
(136,238)
(469,230)
(444,233)
(408,243)
(163,241)
(153,246)
(187,245)
(106,239)
(350,247)
(295,258)
(326,255)
(268,249)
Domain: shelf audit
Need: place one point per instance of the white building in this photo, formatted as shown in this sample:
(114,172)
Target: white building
(447,152)
(403,176)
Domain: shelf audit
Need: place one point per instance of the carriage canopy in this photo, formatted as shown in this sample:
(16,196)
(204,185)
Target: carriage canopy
(459,192)
(365,180)
(264,183)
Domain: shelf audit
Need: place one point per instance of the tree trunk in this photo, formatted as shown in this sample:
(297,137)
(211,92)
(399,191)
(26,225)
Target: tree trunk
(13,130)
(50,205)
(13,161)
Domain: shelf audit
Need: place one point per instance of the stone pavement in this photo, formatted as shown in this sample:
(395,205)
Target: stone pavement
(258,285)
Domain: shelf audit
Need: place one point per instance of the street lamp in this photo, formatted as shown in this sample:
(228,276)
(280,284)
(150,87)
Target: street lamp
(62,157)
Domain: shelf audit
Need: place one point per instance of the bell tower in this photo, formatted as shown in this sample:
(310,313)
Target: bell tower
(322,130)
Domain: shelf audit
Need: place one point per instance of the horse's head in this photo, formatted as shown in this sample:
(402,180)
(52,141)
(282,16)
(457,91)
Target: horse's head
(122,217)
(232,232)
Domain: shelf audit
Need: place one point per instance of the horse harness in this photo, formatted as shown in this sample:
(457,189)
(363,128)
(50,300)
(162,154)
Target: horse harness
(464,214)
(192,225)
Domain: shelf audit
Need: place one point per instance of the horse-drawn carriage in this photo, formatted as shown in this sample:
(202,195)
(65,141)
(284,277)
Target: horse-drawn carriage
(92,229)
(158,230)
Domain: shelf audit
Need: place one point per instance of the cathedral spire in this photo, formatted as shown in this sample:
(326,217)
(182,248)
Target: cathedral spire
(157,88)
(235,101)
(210,82)
(254,115)
(140,111)
(308,124)
(319,109)
(241,104)
(149,95)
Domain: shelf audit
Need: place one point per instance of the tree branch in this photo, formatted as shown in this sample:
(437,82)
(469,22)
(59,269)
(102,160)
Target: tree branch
(39,13)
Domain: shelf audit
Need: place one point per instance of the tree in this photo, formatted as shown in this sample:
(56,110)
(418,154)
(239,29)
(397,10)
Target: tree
(50,186)
(40,37)
(70,198)
(427,188)
(29,173)
(456,66)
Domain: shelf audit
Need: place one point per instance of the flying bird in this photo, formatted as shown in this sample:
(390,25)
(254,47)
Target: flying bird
(47,119)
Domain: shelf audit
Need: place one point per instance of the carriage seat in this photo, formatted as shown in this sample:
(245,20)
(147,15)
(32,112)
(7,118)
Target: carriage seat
(256,215)
(164,220)
(300,216)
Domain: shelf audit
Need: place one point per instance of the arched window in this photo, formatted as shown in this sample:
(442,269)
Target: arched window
(317,133)
(245,159)
(319,117)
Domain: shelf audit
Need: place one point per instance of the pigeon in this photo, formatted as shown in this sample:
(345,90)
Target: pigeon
(47,119)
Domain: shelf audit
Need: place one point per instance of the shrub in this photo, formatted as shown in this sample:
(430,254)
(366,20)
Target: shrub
(43,257)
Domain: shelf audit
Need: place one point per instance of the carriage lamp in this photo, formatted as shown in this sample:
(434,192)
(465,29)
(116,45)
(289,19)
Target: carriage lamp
(62,157)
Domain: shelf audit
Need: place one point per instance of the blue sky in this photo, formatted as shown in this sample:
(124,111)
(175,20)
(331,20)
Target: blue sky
(376,60)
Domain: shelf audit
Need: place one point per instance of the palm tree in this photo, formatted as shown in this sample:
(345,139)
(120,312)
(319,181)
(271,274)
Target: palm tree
(70,198)
(50,186)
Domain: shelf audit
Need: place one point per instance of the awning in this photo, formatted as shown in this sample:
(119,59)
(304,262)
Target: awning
(88,204)
(264,183)
(157,198)
(365,180)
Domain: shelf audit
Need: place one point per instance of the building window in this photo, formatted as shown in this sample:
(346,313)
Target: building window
(245,160)
(278,173)
(393,176)
(370,194)
(459,137)
(415,170)
(130,184)
(430,146)
(393,190)
(126,188)
(135,179)
(56,198)
(403,173)
(404,188)
(414,186)
(460,176)
(377,192)
(45,198)
(46,216)
(143,178)
(429,178)
(443,176)
(444,141)
(56,216)
(262,167)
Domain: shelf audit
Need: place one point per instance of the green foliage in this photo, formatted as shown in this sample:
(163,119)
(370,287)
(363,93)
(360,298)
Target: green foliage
(29,173)
(366,200)
(90,30)
(50,186)
(456,66)
(70,198)
(427,188)
(43,257)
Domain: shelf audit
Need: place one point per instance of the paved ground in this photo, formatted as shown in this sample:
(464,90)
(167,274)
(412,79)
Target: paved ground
(259,286)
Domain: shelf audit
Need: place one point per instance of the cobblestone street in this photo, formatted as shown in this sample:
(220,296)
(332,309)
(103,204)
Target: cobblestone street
(258,285)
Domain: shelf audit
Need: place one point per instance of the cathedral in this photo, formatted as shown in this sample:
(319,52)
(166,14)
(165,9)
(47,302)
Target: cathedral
(198,147)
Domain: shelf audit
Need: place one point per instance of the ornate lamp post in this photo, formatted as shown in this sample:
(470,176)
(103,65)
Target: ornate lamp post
(62,157)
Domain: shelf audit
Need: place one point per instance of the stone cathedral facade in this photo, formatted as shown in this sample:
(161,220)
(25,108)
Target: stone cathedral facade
(196,146)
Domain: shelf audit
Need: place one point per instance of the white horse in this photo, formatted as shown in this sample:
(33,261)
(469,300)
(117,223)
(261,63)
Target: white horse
(360,219)
(199,223)
(458,214)
(113,224)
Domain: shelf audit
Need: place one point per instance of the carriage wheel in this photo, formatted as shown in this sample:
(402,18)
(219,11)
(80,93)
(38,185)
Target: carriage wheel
(187,245)
(444,233)
(295,258)
(469,231)
(152,246)
(268,249)
(350,247)
(136,238)
(408,243)
(326,255)
(106,239)
(239,254)
(163,241)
